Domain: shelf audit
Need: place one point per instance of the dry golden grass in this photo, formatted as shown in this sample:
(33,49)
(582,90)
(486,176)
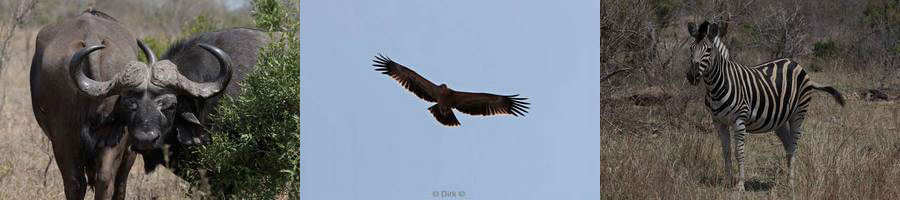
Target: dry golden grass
(24,150)
(673,152)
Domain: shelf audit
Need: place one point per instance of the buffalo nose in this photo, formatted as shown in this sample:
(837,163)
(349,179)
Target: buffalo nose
(147,136)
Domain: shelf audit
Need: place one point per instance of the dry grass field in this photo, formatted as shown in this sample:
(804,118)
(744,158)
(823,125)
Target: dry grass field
(658,140)
(657,151)
(25,153)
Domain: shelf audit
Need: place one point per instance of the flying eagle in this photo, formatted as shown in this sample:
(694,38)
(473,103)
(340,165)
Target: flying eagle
(483,104)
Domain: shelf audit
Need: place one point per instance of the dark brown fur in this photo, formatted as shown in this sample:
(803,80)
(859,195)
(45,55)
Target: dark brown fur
(70,119)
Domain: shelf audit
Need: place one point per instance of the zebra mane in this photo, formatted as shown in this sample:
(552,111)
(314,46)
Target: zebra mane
(720,47)
(716,39)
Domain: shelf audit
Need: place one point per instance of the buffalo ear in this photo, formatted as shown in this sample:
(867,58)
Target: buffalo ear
(190,130)
(103,130)
(692,29)
(188,116)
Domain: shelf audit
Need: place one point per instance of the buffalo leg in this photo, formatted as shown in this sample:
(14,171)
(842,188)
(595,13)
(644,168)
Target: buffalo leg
(71,166)
(122,175)
(109,160)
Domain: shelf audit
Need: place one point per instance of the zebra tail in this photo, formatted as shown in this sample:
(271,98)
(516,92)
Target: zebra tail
(830,90)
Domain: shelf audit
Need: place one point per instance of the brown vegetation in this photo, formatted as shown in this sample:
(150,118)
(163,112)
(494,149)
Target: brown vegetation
(669,149)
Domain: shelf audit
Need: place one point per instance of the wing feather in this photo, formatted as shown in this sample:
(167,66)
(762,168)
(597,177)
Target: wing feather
(486,104)
(408,78)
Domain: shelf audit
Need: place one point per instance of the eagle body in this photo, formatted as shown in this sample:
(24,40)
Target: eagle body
(446,99)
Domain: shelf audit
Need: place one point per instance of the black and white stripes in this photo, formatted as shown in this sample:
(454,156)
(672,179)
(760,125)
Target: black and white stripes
(772,96)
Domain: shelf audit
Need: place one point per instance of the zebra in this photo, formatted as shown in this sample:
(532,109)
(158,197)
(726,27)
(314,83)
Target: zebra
(772,96)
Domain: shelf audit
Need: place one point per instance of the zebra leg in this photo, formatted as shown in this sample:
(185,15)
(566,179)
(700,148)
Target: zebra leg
(786,135)
(740,133)
(725,137)
(790,146)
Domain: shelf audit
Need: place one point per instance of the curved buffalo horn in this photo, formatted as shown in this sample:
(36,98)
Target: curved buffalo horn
(85,84)
(151,58)
(211,88)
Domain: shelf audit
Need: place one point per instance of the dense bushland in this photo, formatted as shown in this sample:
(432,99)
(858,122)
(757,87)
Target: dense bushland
(255,149)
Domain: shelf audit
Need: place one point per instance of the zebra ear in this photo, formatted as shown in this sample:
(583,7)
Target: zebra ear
(712,31)
(692,29)
(701,31)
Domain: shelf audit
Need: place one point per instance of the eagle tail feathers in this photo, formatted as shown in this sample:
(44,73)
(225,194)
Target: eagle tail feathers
(444,115)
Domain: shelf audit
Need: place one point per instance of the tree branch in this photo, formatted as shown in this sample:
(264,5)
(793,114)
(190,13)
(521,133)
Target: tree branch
(20,17)
(614,73)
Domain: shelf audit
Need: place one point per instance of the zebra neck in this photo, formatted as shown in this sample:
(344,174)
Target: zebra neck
(716,78)
(718,84)
(720,51)
(718,64)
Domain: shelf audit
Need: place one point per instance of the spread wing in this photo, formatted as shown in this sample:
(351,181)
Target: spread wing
(408,78)
(489,104)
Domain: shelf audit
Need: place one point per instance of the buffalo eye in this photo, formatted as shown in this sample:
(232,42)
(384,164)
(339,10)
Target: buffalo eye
(165,105)
(162,105)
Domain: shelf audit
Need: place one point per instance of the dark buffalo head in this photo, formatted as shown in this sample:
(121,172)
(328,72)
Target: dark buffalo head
(146,101)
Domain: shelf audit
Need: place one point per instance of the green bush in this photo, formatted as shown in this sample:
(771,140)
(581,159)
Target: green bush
(825,49)
(158,45)
(896,48)
(881,12)
(275,15)
(664,10)
(201,24)
(255,149)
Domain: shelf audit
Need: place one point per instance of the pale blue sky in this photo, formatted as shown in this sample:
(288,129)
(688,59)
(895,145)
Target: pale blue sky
(366,137)
(235,4)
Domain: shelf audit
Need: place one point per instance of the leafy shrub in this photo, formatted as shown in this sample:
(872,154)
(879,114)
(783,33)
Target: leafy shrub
(881,12)
(896,48)
(255,149)
(201,24)
(664,10)
(275,15)
(825,49)
(157,44)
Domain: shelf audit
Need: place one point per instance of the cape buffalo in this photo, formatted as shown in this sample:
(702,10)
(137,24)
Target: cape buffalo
(96,102)
(243,46)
